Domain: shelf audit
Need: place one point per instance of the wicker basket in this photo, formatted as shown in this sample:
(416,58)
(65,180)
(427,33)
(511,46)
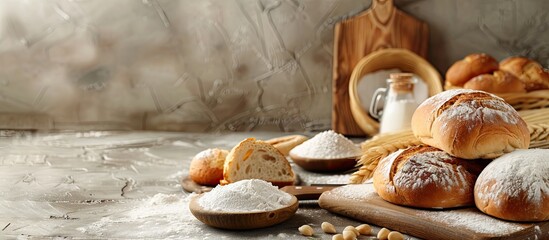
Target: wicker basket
(529,100)
(521,101)
(402,59)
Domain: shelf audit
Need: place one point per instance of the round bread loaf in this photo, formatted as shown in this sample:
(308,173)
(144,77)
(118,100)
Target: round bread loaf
(207,166)
(498,82)
(426,177)
(470,124)
(515,186)
(472,65)
(530,72)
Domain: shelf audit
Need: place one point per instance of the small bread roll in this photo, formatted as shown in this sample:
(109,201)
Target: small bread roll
(207,166)
(530,72)
(470,124)
(426,177)
(515,186)
(287,143)
(498,82)
(471,66)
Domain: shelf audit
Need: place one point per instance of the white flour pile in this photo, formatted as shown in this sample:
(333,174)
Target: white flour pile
(245,196)
(327,145)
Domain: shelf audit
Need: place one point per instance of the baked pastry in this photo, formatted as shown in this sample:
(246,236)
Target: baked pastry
(256,159)
(471,66)
(515,186)
(207,166)
(470,124)
(530,72)
(498,82)
(287,143)
(426,177)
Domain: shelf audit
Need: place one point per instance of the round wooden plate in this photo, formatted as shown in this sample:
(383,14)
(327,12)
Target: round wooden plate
(190,186)
(251,220)
(324,165)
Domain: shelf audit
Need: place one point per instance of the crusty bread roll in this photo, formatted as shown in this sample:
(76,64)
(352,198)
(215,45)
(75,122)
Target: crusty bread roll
(256,159)
(534,76)
(498,82)
(287,143)
(470,124)
(426,177)
(515,186)
(207,166)
(472,65)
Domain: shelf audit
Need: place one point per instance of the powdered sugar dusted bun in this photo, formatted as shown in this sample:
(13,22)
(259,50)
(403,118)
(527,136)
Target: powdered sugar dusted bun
(426,177)
(470,124)
(515,186)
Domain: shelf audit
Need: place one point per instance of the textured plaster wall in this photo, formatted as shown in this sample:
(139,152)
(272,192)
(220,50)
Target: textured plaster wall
(205,65)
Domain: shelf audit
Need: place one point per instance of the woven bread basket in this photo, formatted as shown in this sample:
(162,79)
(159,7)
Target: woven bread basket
(530,100)
(402,59)
(521,101)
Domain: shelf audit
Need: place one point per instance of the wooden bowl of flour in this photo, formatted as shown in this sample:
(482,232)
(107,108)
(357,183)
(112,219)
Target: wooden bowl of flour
(242,220)
(327,151)
(324,165)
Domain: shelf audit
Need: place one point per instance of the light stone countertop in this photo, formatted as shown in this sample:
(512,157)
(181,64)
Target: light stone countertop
(124,185)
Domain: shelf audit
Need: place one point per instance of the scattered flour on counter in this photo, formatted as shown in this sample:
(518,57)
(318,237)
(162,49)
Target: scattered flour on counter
(327,145)
(245,196)
(354,191)
(162,216)
(473,221)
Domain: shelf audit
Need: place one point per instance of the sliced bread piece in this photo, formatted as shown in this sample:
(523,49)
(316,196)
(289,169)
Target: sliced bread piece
(256,159)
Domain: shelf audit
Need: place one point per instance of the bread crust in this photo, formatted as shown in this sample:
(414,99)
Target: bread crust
(472,65)
(498,82)
(470,124)
(515,186)
(251,154)
(207,166)
(530,72)
(426,177)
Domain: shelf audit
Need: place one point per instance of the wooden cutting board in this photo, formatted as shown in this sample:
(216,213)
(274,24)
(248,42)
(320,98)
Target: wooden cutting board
(381,26)
(360,202)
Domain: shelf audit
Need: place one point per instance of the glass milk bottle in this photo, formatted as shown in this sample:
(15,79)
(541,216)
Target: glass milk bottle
(399,103)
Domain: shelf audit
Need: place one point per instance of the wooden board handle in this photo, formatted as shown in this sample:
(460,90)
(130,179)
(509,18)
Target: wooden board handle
(383,9)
